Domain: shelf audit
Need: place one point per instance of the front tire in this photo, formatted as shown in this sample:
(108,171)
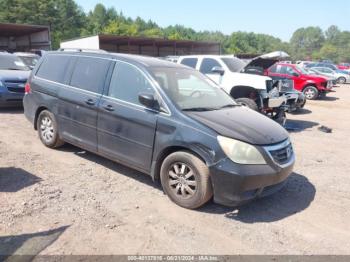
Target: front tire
(185,179)
(311,92)
(48,130)
(341,80)
(248,103)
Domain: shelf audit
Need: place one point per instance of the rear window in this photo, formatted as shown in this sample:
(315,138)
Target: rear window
(53,68)
(90,74)
(191,62)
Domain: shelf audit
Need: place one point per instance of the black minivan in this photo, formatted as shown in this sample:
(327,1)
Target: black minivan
(163,119)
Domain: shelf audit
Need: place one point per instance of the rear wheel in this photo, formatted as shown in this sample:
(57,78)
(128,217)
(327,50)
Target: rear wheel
(341,80)
(248,103)
(48,130)
(185,179)
(311,92)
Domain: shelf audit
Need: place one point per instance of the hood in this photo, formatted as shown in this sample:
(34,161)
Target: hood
(243,124)
(317,78)
(14,75)
(265,61)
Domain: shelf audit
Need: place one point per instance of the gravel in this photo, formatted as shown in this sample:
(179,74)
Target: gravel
(69,201)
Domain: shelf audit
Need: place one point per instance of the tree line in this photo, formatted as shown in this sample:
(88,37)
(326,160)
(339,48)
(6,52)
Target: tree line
(67,20)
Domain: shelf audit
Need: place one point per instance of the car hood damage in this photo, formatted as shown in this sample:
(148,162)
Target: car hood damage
(264,62)
(242,124)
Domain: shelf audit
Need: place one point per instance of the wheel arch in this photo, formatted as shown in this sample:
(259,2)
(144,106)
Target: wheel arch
(243,91)
(156,165)
(37,113)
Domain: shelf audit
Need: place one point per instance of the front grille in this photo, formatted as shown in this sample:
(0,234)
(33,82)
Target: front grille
(15,86)
(16,89)
(283,155)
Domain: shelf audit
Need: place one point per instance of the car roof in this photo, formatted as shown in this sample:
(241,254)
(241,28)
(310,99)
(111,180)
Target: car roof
(143,61)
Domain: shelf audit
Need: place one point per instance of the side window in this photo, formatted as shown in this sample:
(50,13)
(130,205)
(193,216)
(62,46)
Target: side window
(53,68)
(191,62)
(90,74)
(273,69)
(127,83)
(208,64)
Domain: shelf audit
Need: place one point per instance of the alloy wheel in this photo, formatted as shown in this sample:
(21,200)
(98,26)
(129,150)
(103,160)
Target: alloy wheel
(182,180)
(47,129)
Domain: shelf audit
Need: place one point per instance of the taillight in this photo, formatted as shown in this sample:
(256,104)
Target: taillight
(27,88)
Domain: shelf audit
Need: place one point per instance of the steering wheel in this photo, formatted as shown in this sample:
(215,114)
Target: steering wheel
(197,92)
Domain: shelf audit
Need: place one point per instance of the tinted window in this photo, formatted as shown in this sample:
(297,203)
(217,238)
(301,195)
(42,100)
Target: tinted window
(127,83)
(90,74)
(54,68)
(208,64)
(191,62)
(273,69)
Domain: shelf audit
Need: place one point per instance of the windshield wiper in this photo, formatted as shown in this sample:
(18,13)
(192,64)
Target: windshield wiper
(228,106)
(199,109)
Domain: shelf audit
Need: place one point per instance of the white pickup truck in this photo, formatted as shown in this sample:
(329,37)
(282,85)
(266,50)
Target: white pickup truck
(256,91)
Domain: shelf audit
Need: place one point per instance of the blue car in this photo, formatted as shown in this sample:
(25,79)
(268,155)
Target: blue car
(328,65)
(13,77)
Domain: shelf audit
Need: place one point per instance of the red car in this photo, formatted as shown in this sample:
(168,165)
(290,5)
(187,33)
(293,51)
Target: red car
(311,85)
(344,66)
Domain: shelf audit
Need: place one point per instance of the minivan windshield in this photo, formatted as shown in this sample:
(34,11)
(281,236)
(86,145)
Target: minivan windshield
(190,90)
(12,62)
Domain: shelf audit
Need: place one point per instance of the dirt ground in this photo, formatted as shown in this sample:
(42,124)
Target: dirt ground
(68,201)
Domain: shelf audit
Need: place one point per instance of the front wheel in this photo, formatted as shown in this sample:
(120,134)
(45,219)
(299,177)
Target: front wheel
(48,130)
(341,80)
(250,103)
(311,92)
(185,179)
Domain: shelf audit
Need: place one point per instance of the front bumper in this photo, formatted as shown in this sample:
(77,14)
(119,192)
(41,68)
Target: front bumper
(235,184)
(9,99)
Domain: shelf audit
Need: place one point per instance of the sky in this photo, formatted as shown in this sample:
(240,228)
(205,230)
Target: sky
(278,18)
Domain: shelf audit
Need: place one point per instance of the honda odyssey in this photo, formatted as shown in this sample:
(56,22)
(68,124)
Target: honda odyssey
(163,119)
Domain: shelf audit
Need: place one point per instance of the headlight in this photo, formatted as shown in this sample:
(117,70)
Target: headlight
(240,152)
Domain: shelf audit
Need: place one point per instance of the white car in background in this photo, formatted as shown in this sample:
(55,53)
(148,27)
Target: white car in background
(325,71)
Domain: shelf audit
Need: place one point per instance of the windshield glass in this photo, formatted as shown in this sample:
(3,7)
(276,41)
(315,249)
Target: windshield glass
(190,90)
(234,64)
(29,61)
(12,62)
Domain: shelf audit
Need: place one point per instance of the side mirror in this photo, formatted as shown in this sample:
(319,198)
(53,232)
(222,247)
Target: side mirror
(148,101)
(295,74)
(218,70)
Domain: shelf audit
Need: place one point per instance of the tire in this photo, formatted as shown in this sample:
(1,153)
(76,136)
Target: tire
(311,92)
(248,103)
(48,130)
(341,80)
(281,118)
(175,184)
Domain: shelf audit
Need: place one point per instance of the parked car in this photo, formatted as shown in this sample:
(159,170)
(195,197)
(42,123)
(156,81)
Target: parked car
(29,59)
(312,86)
(344,66)
(328,65)
(333,75)
(249,88)
(13,76)
(162,119)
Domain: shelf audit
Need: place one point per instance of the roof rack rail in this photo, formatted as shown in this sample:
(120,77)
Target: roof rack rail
(82,50)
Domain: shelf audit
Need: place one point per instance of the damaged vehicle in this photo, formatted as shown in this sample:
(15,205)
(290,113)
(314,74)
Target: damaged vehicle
(245,82)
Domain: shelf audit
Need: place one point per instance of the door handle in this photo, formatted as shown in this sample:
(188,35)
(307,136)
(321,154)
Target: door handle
(109,108)
(90,102)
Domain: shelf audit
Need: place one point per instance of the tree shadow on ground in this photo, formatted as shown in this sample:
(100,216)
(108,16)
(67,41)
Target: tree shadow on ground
(15,179)
(295,197)
(25,247)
